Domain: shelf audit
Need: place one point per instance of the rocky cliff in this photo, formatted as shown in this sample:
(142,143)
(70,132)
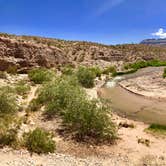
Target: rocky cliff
(26,52)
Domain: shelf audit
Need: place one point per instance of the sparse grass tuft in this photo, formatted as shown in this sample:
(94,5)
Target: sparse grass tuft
(157,129)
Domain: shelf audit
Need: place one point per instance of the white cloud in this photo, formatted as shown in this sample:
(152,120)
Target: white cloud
(107,5)
(160,33)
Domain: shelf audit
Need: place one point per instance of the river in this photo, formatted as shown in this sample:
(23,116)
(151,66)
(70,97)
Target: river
(132,105)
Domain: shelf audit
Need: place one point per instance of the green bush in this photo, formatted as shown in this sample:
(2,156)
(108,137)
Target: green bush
(90,119)
(41,75)
(143,64)
(96,70)
(22,88)
(59,93)
(86,77)
(39,141)
(164,74)
(157,128)
(7,101)
(108,70)
(68,70)
(84,117)
(12,70)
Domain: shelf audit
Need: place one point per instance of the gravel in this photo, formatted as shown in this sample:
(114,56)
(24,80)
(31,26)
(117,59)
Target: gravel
(9,157)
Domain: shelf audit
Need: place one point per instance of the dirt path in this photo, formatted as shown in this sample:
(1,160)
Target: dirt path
(31,95)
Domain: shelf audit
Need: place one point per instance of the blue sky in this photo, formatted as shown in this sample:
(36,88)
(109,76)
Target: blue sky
(104,21)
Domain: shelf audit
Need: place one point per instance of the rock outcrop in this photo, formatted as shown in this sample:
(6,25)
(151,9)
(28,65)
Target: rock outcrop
(26,55)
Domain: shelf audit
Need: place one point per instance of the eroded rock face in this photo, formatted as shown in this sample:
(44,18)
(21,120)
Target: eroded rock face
(26,52)
(28,55)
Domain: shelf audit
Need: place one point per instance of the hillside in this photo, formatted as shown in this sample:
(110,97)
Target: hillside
(25,52)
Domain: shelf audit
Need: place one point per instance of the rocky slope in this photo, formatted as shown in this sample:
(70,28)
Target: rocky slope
(25,52)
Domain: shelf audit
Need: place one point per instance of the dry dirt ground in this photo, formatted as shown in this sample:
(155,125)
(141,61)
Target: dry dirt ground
(125,152)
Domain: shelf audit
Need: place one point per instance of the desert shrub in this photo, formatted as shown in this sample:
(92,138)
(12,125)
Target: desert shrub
(12,70)
(22,88)
(86,77)
(164,74)
(108,70)
(90,119)
(7,101)
(8,138)
(39,141)
(96,70)
(3,75)
(67,70)
(57,94)
(9,125)
(41,75)
(84,117)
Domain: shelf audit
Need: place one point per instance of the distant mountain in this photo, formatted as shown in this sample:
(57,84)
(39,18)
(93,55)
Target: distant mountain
(154,41)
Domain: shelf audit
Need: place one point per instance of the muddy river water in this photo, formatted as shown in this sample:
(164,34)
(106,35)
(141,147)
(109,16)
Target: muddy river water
(132,105)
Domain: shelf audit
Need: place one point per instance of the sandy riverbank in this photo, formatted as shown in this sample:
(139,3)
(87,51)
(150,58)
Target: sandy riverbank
(151,85)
